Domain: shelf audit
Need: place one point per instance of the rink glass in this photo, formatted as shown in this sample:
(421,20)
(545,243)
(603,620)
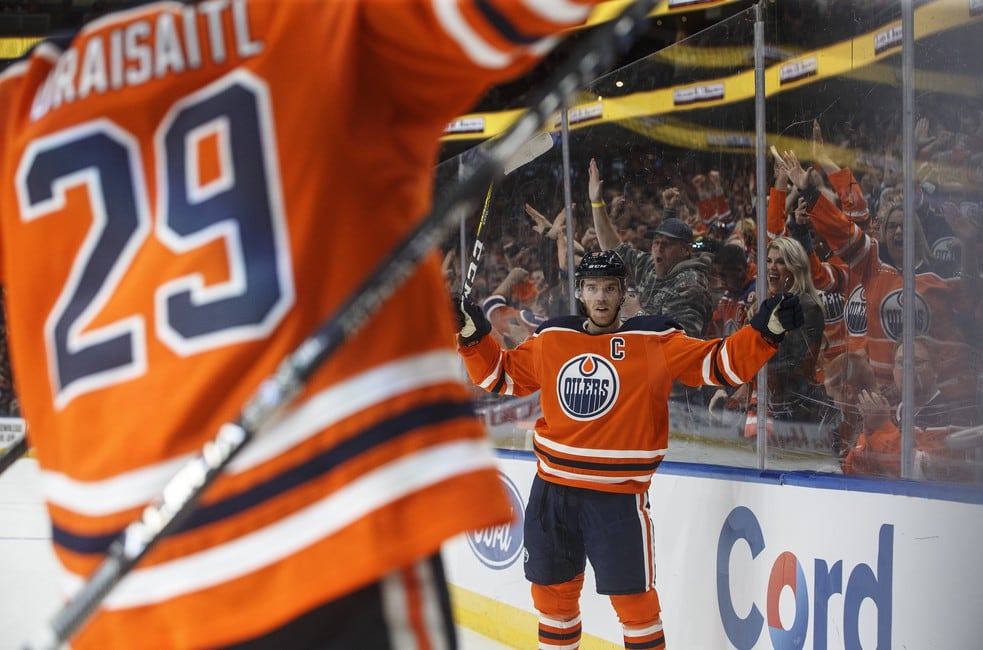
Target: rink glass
(690,110)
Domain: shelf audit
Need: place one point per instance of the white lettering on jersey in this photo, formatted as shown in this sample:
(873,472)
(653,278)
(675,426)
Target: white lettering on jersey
(133,58)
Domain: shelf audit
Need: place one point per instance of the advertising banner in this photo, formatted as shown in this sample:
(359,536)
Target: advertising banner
(756,560)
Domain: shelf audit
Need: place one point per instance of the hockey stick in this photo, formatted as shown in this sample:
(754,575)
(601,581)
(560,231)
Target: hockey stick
(530,150)
(12,453)
(478,247)
(588,59)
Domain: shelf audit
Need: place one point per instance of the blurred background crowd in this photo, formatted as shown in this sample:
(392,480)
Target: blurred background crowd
(672,186)
(658,161)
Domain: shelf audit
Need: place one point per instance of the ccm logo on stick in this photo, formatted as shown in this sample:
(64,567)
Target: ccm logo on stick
(787,572)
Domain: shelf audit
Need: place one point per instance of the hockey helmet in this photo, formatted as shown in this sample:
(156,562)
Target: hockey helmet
(601,264)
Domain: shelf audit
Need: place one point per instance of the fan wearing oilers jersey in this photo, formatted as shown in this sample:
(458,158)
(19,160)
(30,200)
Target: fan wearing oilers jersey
(605,387)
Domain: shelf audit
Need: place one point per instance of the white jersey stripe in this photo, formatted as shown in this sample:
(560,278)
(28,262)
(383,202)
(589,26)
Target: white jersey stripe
(492,377)
(378,385)
(395,611)
(645,454)
(433,616)
(726,365)
(559,11)
(592,478)
(648,535)
(475,47)
(291,534)
(396,595)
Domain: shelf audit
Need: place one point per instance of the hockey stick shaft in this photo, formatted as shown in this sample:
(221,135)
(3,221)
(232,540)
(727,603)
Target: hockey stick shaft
(12,453)
(589,58)
(479,245)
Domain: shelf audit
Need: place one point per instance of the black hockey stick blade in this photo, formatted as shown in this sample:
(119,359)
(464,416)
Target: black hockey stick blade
(530,150)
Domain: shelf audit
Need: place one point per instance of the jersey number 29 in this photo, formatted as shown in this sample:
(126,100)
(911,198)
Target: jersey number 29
(240,205)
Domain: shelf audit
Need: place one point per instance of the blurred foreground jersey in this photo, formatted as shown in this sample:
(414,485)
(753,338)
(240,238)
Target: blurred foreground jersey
(187,191)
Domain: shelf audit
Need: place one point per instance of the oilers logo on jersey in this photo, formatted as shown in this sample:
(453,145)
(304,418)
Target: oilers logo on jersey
(856,312)
(587,387)
(891,315)
(834,306)
(947,249)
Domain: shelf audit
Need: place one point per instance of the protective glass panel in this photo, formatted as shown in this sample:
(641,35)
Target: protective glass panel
(948,179)
(505,253)
(839,107)
(683,119)
(675,143)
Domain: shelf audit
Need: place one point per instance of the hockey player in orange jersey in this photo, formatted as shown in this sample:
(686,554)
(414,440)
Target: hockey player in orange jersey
(186,188)
(605,428)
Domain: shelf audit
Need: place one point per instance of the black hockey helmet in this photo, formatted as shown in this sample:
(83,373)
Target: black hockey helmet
(602,264)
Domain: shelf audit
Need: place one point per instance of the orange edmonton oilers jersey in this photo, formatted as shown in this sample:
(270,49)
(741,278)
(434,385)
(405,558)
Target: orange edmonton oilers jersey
(605,423)
(877,287)
(188,190)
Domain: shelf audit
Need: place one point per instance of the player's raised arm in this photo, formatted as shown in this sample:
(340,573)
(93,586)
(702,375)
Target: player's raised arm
(735,360)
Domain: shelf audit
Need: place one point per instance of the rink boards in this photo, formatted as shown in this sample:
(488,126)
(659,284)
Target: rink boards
(756,559)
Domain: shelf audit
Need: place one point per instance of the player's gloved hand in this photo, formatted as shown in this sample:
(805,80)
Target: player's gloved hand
(777,315)
(471,322)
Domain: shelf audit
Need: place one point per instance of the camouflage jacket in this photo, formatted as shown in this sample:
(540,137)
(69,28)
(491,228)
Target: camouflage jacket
(683,294)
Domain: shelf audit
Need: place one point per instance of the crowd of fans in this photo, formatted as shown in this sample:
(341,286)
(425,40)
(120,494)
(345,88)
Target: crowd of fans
(686,228)
(835,237)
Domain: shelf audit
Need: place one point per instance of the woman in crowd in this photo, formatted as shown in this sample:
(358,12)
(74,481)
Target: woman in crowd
(795,395)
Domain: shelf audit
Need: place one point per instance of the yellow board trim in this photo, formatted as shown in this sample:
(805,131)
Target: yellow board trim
(505,623)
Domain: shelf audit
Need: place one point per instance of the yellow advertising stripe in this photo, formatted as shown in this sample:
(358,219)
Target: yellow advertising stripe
(854,59)
(928,20)
(14,47)
(491,124)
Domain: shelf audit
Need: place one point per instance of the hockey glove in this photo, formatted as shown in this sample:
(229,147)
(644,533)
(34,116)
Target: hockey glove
(471,322)
(778,314)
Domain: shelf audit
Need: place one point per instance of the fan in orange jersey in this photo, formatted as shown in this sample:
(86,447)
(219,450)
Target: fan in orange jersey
(185,194)
(943,306)
(605,428)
